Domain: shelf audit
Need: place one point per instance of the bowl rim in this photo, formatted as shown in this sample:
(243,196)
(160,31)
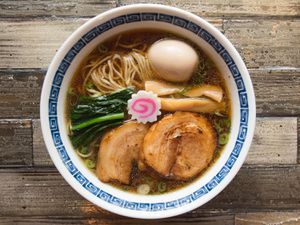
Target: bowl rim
(236,58)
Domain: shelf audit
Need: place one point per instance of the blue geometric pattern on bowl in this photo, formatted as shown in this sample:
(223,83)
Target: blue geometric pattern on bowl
(163,18)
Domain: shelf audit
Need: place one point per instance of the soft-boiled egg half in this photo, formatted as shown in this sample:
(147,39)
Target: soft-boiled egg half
(173,60)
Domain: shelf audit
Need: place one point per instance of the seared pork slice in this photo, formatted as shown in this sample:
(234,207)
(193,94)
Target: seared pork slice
(118,150)
(179,146)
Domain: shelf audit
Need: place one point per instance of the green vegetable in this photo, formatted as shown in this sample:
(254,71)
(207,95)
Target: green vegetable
(200,74)
(97,120)
(89,85)
(222,125)
(91,164)
(84,150)
(89,107)
(162,187)
(88,135)
(226,123)
(218,127)
(92,115)
(102,48)
(71,91)
(223,139)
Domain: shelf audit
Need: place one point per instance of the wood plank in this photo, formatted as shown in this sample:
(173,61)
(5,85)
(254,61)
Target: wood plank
(275,142)
(20,93)
(298,132)
(231,8)
(282,218)
(40,153)
(29,44)
(15,143)
(33,8)
(203,220)
(277,91)
(33,43)
(45,193)
(261,188)
(266,43)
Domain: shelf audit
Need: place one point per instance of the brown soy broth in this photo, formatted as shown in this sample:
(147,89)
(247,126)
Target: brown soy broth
(212,76)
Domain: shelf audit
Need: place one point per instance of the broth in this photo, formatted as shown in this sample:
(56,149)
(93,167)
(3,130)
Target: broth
(207,73)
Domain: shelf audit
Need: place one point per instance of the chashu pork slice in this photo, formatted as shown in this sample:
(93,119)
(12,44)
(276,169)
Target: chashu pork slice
(179,146)
(118,150)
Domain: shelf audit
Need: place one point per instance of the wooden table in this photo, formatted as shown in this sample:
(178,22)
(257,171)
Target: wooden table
(267,188)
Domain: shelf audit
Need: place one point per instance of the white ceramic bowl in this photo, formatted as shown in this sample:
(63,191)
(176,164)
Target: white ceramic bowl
(188,25)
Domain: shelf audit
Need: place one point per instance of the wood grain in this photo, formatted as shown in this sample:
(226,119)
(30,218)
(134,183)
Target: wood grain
(44,193)
(34,8)
(275,142)
(40,153)
(298,134)
(231,8)
(225,219)
(33,43)
(266,43)
(20,93)
(261,188)
(259,218)
(277,91)
(15,143)
(29,44)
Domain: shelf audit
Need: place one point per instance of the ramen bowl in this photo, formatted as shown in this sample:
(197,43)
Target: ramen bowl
(130,18)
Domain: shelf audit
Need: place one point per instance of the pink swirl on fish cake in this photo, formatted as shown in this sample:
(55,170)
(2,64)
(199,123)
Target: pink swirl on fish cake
(144,107)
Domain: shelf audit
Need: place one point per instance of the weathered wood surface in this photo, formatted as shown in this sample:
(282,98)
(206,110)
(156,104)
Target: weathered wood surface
(266,43)
(15,143)
(42,8)
(44,192)
(298,134)
(27,44)
(275,142)
(265,191)
(41,156)
(277,92)
(81,8)
(203,220)
(20,93)
(231,8)
(282,218)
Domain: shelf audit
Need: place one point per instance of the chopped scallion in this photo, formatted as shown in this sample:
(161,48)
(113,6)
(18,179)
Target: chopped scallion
(223,139)
(143,189)
(91,164)
(162,187)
